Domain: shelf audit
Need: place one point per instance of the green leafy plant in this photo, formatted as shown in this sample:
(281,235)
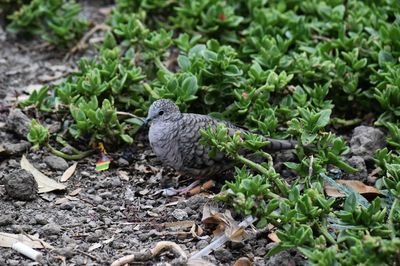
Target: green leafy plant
(55,21)
(39,136)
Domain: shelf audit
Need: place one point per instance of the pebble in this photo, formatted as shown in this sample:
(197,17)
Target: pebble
(201,244)
(179,214)
(40,219)
(6,219)
(66,252)
(122,162)
(358,163)
(56,163)
(366,140)
(223,255)
(51,229)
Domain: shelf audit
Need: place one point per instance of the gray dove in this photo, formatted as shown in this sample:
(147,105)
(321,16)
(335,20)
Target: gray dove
(174,138)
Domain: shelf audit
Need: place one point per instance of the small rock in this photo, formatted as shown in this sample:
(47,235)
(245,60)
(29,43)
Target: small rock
(179,214)
(92,238)
(18,123)
(67,206)
(10,149)
(260,251)
(118,244)
(366,140)
(13,164)
(223,255)
(201,244)
(243,261)
(196,202)
(6,219)
(13,262)
(287,257)
(115,181)
(40,219)
(51,229)
(358,163)
(56,163)
(122,162)
(67,252)
(21,185)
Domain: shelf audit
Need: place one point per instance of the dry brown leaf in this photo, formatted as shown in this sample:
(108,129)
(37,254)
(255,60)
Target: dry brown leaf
(274,237)
(196,231)
(225,223)
(243,261)
(69,172)
(7,240)
(354,184)
(45,184)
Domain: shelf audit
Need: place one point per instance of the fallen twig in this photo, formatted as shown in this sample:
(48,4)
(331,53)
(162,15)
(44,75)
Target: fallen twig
(149,254)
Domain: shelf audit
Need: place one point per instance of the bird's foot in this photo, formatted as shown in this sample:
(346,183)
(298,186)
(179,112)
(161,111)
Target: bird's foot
(193,189)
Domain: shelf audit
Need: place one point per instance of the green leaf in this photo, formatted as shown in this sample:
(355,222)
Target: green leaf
(323,119)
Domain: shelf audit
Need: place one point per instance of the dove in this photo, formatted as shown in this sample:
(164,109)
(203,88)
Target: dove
(174,138)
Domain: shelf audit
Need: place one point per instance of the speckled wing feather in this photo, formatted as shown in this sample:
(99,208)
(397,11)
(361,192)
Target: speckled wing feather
(197,160)
(195,157)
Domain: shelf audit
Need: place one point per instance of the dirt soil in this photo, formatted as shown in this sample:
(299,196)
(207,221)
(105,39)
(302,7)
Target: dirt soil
(101,216)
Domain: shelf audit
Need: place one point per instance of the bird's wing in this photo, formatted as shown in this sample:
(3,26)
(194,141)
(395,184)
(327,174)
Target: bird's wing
(196,159)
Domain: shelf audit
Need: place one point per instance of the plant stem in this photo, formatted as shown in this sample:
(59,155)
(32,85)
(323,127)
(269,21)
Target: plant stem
(129,114)
(60,140)
(68,156)
(151,91)
(278,182)
(326,234)
(160,65)
(344,122)
(390,218)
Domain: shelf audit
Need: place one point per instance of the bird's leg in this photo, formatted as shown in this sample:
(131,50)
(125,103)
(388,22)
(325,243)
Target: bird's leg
(193,189)
(185,190)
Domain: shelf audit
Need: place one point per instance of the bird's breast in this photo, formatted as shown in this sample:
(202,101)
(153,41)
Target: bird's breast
(164,142)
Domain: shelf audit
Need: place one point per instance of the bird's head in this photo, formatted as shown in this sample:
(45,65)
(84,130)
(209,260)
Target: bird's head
(163,110)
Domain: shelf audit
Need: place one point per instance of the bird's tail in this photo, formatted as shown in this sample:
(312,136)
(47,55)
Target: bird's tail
(276,144)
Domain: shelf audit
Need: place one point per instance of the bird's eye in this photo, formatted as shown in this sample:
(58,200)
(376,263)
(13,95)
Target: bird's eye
(161,113)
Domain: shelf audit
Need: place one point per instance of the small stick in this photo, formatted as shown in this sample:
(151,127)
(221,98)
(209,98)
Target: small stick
(27,251)
(123,260)
(168,245)
(148,254)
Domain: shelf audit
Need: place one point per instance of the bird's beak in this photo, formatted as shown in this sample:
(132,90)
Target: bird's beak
(146,122)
